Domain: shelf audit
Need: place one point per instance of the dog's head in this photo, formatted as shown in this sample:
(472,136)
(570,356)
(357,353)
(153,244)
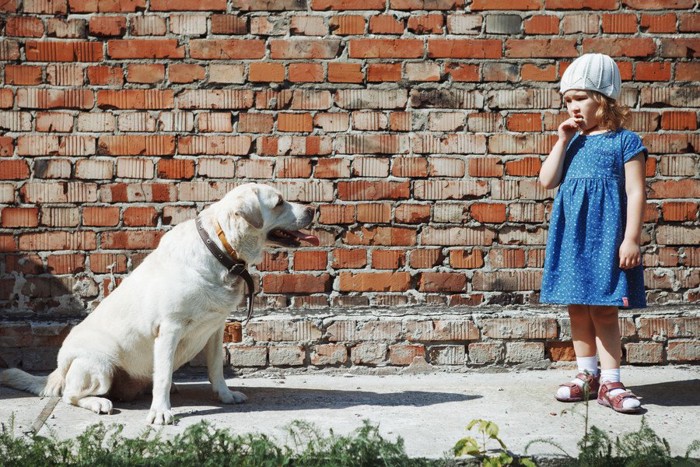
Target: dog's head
(257,215)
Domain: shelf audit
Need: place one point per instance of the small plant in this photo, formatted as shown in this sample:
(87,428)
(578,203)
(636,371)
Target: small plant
(489,431)
(204,445)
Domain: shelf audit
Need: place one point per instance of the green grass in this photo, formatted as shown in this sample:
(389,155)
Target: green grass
(204,445)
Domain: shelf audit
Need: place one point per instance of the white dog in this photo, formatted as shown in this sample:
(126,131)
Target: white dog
(170,307)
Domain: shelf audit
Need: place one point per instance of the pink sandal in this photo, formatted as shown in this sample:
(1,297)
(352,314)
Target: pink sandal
(616,402)
(578,393)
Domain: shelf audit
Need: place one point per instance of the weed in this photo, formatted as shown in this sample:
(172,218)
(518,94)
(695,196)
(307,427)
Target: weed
(489,431)
(204,445)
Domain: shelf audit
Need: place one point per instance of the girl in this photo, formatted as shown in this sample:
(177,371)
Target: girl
(593,257)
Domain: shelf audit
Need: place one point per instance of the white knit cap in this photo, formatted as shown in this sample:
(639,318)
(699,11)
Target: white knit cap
(593,72)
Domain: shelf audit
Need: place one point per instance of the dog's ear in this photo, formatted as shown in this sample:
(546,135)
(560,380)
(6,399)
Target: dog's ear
(250,211)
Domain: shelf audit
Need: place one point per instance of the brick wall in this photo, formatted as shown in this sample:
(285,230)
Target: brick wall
(416,127)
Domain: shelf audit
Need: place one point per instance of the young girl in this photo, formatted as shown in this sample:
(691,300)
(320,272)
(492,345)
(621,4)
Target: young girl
(593,258)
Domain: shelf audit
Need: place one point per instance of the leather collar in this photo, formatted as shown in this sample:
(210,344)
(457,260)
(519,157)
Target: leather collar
(229,260)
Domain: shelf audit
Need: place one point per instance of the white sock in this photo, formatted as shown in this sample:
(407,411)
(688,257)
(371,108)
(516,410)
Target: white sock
(585,365)
(613,376)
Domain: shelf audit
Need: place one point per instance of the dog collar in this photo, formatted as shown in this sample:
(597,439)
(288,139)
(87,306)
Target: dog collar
(229,259)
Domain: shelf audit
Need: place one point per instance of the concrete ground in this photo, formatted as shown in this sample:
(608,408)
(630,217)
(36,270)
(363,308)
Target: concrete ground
(428,410)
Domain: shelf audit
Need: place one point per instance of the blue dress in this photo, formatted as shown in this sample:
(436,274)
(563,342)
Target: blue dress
(587,226)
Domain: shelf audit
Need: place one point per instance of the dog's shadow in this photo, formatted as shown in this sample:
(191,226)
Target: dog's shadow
(670,393)
(275,399)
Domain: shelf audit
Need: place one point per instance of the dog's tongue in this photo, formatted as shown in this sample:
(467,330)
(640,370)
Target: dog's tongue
(312,239)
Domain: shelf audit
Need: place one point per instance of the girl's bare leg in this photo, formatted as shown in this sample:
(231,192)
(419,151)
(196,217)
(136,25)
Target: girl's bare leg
(607,331)
(583,331)
(607,334)
(584,340)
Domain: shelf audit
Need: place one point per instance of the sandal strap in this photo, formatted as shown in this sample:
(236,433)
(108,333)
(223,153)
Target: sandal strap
(610,385)
(617,399)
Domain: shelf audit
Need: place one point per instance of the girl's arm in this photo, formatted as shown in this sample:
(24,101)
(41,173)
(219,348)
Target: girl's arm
(630,252)
(551,171)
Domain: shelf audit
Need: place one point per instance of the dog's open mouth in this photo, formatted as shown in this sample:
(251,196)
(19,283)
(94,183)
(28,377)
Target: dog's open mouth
(291,238)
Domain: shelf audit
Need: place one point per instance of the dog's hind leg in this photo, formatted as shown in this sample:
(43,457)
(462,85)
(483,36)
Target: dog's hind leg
(87,378)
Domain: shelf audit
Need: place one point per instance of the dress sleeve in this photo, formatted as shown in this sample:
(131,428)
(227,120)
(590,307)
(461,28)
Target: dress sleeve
(631,146)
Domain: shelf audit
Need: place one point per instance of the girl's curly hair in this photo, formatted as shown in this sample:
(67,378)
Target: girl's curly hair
(611,115)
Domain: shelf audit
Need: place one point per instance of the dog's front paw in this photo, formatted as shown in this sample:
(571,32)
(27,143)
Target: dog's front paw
(232,397)
(160,416)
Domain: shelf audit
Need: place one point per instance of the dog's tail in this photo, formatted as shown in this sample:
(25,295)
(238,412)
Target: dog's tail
(51,385)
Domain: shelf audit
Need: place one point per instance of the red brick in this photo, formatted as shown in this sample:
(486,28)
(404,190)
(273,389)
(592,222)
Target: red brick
(524,122)
(359,190)
(488,212)
(22,75)
(464,48)
(619,47)
(388,259)
(107,26)
(386,24)
(294,122)
(146,48)
(653,71)
(349,259)
(66,263)
(383,72)
(311,49)
(656,5)
(24,26)
(679,211)
(135,99)
(57,51)
(229,24)
(658,23)
(106,6)
(136,145)
(101,216)
(140,216)
(625,23)
(542,24)
(385,48)
(255,123)
(689,22)
(348,5)
(187,5)
(530,72)
(405,354)
(19,217)
(14,170)
(264,72)
(548,48)
(297,283)
(347,25)
(177,169)
(310,260)
(485,167)
(374,213)
(683,351)
(105,76)
(581,4)
(131,240)
(678,120)
(526,167)
(305,72)
(150,73)
(442,282)
(183,73)
(345,73)
(463,72)
(466,259)
(374,282)
(426,24)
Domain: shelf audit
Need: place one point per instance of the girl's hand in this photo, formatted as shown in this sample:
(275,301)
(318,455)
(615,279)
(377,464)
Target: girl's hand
(569,127)
(630,254)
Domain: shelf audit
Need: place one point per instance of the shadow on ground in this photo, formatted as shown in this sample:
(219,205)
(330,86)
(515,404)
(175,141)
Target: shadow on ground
(670,394)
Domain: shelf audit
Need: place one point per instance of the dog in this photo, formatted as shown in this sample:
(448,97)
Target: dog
(171,307)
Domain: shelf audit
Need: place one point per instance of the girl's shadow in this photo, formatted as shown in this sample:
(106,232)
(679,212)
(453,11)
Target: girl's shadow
(670,393)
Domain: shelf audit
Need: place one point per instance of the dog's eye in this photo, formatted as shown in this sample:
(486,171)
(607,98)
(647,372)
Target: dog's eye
(280,202)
